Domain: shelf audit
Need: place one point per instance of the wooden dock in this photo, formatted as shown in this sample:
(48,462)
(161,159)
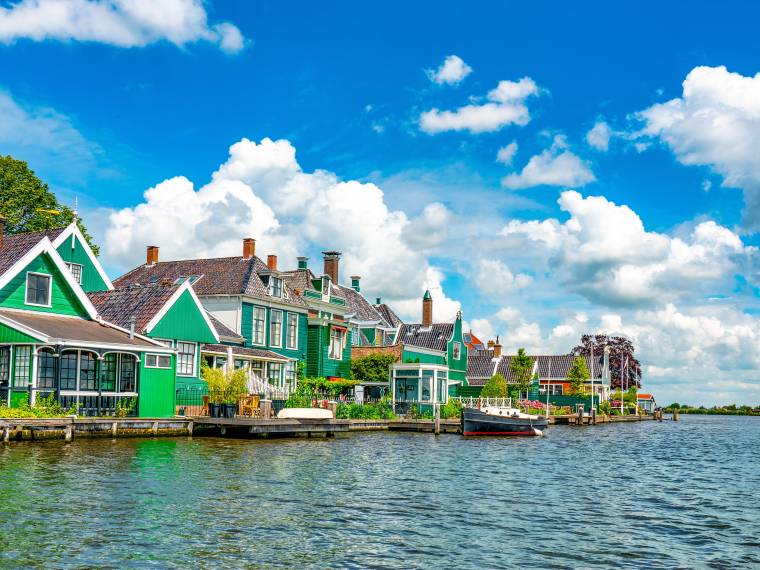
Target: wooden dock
(34,429)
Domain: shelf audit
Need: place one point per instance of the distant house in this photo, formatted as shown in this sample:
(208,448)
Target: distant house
(434,360)
(250,297)
(646,402)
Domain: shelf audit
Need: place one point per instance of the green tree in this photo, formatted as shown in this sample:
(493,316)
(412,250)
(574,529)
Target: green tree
(371,368)
(28,205)
(495,387)
(577,375)
(521,366)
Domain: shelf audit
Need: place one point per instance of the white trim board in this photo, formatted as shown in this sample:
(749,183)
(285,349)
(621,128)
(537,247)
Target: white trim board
(185,286)
(72,230)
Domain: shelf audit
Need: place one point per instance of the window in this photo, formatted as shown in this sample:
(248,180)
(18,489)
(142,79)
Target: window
(425,389)
(240,363)
(21,368)
(45,369)
(76,271)
(275,287)
(165,342)
(186,358)
(220,362)
(355,339)
(275,328)
(337,340)
(88,367)
(38,289)
(259,320)
(257,367)
(127,382)
(108,373)
(158,361)
(274,373)
(457,350)
(69,371)
(290,373)
(292,331)
(5,365)
(189,278)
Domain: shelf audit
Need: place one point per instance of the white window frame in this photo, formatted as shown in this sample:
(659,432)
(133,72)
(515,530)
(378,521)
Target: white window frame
(294,345)
(156,362)
(341,344)
(195,357)
(71,265)
(263,325)
(457,350)
(165,341)
(272,280)
(271,328)
(50,289)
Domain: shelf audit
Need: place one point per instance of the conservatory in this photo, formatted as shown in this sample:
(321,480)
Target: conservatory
(420,384)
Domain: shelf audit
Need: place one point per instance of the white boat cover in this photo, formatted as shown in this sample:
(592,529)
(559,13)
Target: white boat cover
(305,414)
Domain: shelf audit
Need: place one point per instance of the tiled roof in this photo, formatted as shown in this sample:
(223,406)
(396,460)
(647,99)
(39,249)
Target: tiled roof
(74,329)
(223,330)
(434,337)
(645,397)
(472,342)
(217,276)
(243,351)
(551,366)
(298,278)
(388,315)
(119,305)
(15,246)
(358,306)
(480,366)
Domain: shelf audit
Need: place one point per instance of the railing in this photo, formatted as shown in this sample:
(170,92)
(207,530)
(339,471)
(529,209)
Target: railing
(258,386)
(471,402)
(100,405)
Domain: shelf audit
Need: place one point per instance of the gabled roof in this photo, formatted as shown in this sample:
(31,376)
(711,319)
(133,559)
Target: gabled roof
(299,278)
(14,257)
(551,366)
(243,351)
(16,245)
(216,276)
(472,342)
(73,229)
(359,309)
(433,337)
(644,397)
(389,316)
(480,366)
(148,305)
(223,330)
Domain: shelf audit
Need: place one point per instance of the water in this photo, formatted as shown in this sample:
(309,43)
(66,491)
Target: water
(636,495)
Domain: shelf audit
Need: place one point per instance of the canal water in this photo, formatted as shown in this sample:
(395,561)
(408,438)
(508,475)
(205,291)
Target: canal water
(655,495)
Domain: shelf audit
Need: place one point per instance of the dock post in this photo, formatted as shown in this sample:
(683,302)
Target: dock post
(155,428)
(675,415)
(593,415)
(437,419)
(579,421)
(190,428)
(114,428)
(68,433)
(6,434)
(266,409)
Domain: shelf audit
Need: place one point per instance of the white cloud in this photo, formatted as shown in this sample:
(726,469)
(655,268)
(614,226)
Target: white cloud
(505,106)
(599,136)
(716,122)
(261,191)
(123,23)
(507,153)
(604,253)
(556,166)
(40,135)
(451,72)
(494,277)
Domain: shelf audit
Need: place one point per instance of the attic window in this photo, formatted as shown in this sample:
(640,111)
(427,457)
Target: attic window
(189,278)
(275,287)
(153,280)
(76,271)
(38,289)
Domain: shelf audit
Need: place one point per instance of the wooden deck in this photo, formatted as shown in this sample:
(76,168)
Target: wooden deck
(17,429)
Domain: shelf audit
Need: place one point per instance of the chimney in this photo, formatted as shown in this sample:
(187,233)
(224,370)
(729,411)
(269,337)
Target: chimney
(151,256)
(497,348)
(249,248)
(355,283)
(303,263)
(491,344)
(2,231)
(332,264)
(427,309)
(378,301)
(272,262)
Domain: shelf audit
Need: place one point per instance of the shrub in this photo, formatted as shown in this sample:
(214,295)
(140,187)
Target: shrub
(605,408)
(451,410)
(495,387)
(371,368)
(380,411)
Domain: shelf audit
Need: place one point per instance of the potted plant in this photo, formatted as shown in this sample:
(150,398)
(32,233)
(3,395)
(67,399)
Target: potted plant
(215,381)
(235,387)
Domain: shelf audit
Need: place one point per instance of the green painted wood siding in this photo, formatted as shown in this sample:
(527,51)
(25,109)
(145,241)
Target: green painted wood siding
(10,335)
(91,279)
(317,361)
(246,325)
(184,321)
(457,368)
(156,391)
(63,300)
(411,355)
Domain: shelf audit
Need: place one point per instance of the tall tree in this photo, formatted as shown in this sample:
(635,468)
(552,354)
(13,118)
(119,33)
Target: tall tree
(521,366)
(625,369)
(27,203)
(577,374)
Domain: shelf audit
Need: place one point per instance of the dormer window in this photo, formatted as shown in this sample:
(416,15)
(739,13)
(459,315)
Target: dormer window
(275,287)
(38,289)
(189,278)
(76,271)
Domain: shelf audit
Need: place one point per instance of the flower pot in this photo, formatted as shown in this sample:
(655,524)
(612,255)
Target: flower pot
(229,410)
(214,410)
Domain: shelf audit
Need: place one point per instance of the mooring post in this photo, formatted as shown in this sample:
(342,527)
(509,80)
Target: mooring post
(190,428)
(266,409)
(6,434)
(675,415)
(68,432)
(437,419)
(113,429)
(155,428)
(580,416)
(593,415)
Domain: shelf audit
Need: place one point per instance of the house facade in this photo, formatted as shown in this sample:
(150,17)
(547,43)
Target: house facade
(434,360)
(249,297)
(54,341)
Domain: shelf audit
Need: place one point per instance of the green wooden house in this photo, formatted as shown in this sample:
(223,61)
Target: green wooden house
(433,363)
(53,341)
(251,299)
(329,337)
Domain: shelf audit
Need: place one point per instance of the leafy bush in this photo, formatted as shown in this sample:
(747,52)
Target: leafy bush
(605,408)
(495,387)
(451,410)
(48,407)
(372,368)
(380,411)
(224,387)
(414,413)
(124,407)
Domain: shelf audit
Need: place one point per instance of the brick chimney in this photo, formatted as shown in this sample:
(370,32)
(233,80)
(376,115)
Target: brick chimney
(332,264)
(272,262)
(303,262)
(249,248)
(2,231)
(427,310)
(355,283)
(490,344)
(151,255)
(497,348)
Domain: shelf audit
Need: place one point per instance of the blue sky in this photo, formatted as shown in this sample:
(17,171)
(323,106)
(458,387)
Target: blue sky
(646,227)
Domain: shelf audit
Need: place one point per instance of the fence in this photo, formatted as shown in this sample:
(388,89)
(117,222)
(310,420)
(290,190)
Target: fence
(193,401)
(100,405)
(470,402)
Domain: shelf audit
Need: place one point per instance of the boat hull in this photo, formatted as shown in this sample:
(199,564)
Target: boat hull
(475,422)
